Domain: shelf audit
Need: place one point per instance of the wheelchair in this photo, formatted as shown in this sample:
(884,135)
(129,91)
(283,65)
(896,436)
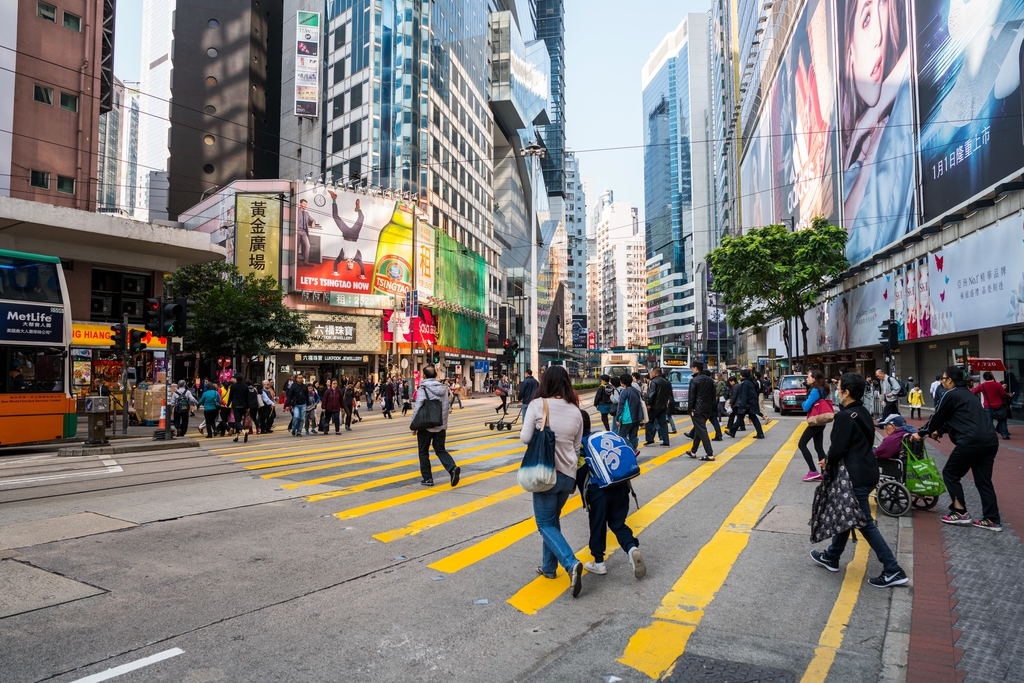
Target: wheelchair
(893,496)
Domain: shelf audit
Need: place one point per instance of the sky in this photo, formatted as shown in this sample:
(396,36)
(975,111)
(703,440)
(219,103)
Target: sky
(607,43)
(606,46)
(127,39)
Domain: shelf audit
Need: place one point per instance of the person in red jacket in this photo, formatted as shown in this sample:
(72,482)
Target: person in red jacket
(892,445)
(997,403)
(332,406)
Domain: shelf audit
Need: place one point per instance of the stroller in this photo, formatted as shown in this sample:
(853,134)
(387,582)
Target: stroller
(910,481)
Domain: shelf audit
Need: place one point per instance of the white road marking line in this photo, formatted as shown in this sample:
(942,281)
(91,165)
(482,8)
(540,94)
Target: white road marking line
(51,477)
(109,463)
(131,666)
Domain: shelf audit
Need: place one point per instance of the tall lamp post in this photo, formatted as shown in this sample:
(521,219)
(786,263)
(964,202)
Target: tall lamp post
(534,152)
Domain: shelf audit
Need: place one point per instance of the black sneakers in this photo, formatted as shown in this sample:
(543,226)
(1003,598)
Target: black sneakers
(886,580)
(576,579)
(455,475)
(831,565)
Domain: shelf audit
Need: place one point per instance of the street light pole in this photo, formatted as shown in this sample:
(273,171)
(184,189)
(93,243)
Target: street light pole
(535,152)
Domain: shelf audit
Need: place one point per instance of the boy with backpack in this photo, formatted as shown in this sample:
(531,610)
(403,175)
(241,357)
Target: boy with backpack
(607,506)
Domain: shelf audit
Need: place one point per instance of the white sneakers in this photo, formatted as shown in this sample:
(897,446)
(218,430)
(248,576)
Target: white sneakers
(637,560)
(596,568)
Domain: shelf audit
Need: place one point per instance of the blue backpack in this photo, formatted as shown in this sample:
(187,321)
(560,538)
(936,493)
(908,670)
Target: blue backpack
(610,458)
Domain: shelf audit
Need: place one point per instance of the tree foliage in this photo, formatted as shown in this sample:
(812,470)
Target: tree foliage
(770,273)
(236,315)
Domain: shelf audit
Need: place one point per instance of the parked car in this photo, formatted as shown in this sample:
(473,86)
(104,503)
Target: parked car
(790,393)
(680,380)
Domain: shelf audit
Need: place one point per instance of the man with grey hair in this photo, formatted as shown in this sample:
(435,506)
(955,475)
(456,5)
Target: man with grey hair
(182,401)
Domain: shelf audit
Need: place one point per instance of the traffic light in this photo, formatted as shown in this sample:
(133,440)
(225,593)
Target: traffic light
(436,357)
(117,339)
(169,319)
(154,323)
(515,350)
(889,336)
(135,344)
(184,315)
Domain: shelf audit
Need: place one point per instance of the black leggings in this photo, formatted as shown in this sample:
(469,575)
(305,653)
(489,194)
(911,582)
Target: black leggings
(818,435)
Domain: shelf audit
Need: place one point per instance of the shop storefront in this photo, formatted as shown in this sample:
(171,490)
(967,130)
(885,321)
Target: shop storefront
(343,346)
(92,360)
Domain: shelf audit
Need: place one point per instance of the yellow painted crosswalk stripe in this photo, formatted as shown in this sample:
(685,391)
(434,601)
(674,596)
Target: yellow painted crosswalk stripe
(542,591)
(507,537)
(653,649)
(384,481)
(448,515)
(419,495)
(832,636)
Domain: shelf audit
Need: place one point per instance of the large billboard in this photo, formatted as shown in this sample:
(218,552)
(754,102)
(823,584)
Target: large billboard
(460,277)
(351,243)
(307,64)
(803,119)
(969,62)
(258,234)
(579,331)
(756,178)
(876,124)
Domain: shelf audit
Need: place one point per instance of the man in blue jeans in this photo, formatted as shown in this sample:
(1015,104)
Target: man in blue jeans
(630,411)
(298,396)
(852,439)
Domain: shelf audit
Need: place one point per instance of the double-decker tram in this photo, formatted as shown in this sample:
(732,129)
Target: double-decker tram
(35,397)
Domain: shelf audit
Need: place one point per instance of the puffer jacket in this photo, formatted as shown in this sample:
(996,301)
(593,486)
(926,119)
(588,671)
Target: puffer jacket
(433,390)
(702,395)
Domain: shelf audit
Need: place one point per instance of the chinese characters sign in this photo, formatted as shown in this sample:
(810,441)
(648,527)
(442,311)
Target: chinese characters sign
(258,234)
(342,333)
(30,323)
(307,64)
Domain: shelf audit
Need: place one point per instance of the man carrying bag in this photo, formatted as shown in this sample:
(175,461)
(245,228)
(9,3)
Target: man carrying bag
(430,424)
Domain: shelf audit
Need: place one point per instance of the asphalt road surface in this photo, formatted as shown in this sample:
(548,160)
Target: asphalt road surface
(322,558)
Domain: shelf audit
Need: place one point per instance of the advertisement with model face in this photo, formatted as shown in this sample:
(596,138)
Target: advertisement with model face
(851,320)
(756,178)
(352,243)
(803,119)
(968,74)
(876,124)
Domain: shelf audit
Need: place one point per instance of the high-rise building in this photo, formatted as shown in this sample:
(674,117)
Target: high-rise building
(226,97)
(723,103)
(678,218)
(130,152)
(620,263)
(551,29)
(576,231)
(55,84)
(155,98)
(111,169)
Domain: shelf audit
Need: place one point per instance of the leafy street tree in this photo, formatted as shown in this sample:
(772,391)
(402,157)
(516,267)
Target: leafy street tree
(771,273)
(236,315)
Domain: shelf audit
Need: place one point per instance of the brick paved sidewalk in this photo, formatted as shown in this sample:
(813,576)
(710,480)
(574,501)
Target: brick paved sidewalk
(968,615)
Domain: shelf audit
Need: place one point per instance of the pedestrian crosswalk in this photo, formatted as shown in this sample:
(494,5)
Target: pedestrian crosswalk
(381,471)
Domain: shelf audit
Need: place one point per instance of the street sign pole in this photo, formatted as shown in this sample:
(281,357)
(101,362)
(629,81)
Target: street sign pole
(124,380)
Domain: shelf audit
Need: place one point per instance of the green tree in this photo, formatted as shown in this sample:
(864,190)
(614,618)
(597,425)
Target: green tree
(237,316)
(771,273)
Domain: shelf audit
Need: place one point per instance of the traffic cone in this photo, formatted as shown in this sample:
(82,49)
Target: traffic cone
(162,426)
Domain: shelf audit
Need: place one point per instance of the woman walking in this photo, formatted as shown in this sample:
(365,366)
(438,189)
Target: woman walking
(348,401)
(332,408)
(238,397)
(358,398)
(388,391)
(566,421)
(817,390)
(209,403)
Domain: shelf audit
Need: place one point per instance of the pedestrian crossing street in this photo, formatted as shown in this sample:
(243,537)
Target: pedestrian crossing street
(377,464)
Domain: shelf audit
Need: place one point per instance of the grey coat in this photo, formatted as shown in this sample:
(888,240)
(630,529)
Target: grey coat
(432,389)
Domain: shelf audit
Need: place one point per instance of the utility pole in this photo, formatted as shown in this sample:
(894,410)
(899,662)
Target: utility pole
(124,381)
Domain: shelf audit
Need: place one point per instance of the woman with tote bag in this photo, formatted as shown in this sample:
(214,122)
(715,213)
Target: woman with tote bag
(559,411)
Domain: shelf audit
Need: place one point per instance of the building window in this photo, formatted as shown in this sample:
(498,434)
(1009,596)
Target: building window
(65,184)
(338,107)
(338,172)
(355,167)
(338,140)
(73,22)
(40,179)
(46,11)
(43,94)
(355,133)
(339,36)
(357,96)
(69,102)
(339,71)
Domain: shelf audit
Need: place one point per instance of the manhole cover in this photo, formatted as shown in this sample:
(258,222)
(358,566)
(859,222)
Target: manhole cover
(690,668)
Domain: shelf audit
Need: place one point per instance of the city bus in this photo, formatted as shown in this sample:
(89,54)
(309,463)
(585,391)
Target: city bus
(35,401)
(675,356)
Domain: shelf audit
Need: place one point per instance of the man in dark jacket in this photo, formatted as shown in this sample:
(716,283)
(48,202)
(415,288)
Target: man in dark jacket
(747,404)
(296,399)
(331,401)
(736,422)
(702,404)
(348,402)
(527,389)
(975,445)
(238,397)
(659,397)
(629,413)
(852,438)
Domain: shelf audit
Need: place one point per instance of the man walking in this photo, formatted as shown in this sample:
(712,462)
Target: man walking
(974,448)
(296,400)
(748,404)
(936,391)
(432,390)
(890,390)
(527,389)
(630,411)
(659,396)
(702,403)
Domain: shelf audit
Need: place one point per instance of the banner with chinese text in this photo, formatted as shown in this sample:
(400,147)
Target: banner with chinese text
(258,234)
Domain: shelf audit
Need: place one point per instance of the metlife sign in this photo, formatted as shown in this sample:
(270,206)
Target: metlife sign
(31,323)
